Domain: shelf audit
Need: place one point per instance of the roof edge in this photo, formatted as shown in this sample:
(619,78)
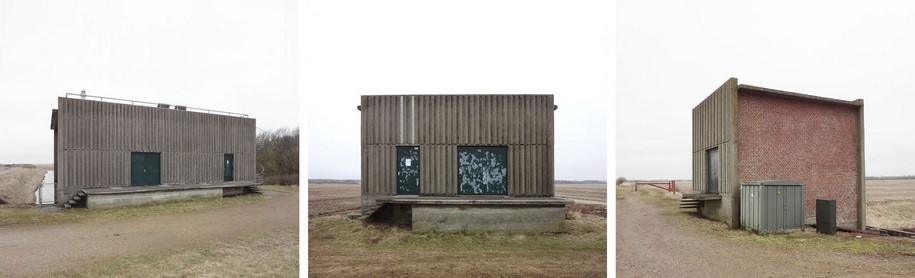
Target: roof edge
(857,103)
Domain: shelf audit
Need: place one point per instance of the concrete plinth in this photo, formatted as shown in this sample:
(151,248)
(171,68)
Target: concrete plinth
(139,198)
(454,218)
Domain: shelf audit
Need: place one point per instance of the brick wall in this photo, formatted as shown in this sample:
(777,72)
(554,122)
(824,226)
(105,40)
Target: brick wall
(810,141)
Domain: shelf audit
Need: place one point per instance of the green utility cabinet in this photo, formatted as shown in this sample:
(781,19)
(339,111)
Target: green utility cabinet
(482,170)
(773,206)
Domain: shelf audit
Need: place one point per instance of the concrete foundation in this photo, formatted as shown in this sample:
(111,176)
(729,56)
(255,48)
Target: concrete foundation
(726,210)
(233,191)
(139,198)
(454,218)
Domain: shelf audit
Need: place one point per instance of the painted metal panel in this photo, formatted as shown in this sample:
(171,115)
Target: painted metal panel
(772,206)
(482,170)
(145,169)
(408,165)
(714,169)
(228,168)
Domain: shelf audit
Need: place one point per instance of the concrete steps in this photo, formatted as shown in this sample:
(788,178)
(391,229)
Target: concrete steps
(253,190)
(78,200)
(689,204)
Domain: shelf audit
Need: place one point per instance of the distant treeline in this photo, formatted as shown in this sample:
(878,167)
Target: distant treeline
(356,181)
(279,155)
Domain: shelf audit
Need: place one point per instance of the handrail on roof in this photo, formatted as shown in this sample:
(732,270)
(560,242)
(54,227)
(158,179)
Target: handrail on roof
(135,102)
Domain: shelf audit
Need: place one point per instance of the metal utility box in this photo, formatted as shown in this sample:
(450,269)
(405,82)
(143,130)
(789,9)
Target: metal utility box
(826,216)
(772,206)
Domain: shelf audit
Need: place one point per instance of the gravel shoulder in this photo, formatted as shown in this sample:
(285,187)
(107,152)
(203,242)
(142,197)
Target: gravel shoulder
(34,250)
(657,241)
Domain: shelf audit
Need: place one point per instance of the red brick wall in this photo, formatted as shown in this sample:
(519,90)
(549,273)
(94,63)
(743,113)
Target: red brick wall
(813,142)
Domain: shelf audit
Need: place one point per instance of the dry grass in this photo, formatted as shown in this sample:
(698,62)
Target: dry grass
(17,184)
(268,254)
(340,246)
(891,204)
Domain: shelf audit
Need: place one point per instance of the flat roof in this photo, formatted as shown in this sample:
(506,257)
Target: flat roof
(857,103)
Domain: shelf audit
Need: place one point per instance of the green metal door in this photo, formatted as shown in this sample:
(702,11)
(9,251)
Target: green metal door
(228,169)
(482,170)
(408,170)
(144,169)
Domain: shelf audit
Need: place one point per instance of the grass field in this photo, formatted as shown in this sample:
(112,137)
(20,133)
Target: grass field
(341,246)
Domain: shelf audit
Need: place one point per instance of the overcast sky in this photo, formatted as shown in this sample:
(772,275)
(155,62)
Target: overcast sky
(672,54)
(352,48)
(238,56)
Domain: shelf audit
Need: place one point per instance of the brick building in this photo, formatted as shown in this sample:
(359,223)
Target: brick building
(744,133)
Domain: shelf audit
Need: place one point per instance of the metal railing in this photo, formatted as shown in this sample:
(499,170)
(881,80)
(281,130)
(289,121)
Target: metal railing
(153,104)
(41,196)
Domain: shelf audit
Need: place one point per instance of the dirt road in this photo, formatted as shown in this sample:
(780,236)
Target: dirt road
(34,250)
(652,242)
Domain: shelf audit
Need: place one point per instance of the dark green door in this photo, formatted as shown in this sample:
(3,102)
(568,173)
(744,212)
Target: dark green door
(482,170)
(144,169)
(714,167)
(408,170)
(228,173)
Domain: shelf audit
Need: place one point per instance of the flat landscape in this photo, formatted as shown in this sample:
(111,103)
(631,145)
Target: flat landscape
(341,246)
(890,203)
(656,239)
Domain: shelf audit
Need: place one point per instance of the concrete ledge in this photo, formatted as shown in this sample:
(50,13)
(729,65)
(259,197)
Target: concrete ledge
(164,187)
(474,200)
(454,218)
(147,197)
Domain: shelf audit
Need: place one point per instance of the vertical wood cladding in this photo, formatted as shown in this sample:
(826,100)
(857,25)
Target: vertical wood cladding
(95,140)
(438,124)
(714,126)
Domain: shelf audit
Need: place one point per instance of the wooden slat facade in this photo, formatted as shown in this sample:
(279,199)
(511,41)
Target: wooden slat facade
(438,124)
(714,126)
(94,140)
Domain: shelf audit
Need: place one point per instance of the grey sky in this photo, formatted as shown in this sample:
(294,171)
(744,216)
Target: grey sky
(222,55)
(672,54)
(465,47)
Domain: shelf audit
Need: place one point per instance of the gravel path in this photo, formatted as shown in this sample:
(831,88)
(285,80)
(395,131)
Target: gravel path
(650,243)
(33,250)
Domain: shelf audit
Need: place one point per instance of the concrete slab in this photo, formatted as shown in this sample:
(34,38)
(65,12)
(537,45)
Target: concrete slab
(474,200)
(164,187)
(455,218)
(99,201)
